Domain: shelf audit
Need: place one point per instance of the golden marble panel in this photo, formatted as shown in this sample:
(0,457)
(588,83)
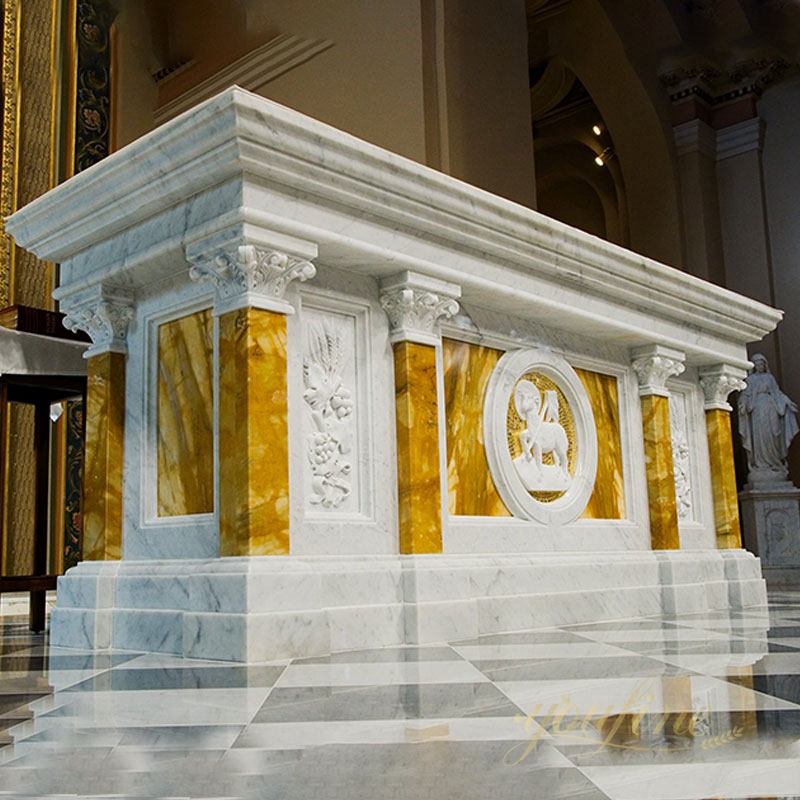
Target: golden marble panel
(660,476)
(418,474)
(608,496)
(253,434)
(105,427)
(185,415)
(470,488)
(723,478)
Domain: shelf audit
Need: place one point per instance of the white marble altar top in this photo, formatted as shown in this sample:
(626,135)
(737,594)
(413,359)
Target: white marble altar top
(31,354)
(242,168)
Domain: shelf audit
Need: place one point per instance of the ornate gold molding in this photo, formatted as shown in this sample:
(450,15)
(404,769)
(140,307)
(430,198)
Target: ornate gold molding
(8,170)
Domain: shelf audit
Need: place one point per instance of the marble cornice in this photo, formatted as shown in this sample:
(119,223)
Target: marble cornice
(377,213)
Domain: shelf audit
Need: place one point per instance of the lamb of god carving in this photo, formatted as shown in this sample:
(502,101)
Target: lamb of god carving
(542,434)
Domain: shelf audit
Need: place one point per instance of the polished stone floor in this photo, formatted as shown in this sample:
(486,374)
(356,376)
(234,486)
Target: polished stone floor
(691,706)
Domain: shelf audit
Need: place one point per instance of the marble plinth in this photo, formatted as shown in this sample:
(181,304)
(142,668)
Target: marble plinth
(263,608)
(771,529)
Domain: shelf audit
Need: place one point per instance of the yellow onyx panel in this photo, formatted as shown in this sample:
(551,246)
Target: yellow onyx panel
(185,408)
(608,497)
(253,434)
(102,487)
(470,488)
(418,474)
(660,476)
(723,478)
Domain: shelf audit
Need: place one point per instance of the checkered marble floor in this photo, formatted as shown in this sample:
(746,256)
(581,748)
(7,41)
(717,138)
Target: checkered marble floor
(690,706)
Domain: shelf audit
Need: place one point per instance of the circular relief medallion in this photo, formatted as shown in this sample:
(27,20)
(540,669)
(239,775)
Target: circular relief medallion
(541,441)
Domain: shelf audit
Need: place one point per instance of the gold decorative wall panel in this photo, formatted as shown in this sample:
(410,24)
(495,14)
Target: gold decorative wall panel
(29,146)
(660,475)
(471,490)
(105,421)
(21,490)
(608,497)
(723,478)
(253,434)
(185,415)
(418,472)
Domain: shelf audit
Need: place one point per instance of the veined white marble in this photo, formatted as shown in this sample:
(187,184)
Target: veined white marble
(250,195)
(258,609)
(220,166)
(24,353)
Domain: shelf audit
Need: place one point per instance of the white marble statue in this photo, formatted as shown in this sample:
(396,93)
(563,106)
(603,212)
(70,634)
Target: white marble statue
(542,434)
(767,424)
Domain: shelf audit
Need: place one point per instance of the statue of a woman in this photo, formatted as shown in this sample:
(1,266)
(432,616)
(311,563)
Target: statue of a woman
(767,424)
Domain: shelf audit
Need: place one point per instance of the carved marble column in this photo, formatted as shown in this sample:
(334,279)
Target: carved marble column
(717,383)
(415,304)
(250,282)
(653,365)
(103,312)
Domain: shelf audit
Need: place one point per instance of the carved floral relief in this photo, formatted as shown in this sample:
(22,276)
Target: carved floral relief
(329,404)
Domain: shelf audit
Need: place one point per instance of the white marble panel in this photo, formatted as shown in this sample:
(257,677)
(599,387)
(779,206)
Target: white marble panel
(441,621)
(148,630)
(361,626)
(365,521)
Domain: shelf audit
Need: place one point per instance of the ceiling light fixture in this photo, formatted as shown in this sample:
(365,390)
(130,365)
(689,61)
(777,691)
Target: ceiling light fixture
(596,130)
(604,157)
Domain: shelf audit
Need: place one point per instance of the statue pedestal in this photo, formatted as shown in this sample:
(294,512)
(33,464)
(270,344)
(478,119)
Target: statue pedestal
(771,529)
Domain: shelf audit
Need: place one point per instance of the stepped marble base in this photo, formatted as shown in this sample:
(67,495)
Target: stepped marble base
(257,609)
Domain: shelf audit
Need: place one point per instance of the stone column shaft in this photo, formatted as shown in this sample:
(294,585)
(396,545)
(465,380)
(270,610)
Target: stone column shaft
(723,478)
(102,483)
(253,434)
(415,304)
(418,470)
(104,312)
(250,282)
(653,366)
(717,383)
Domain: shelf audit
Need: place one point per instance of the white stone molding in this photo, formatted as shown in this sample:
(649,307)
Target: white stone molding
(247,275)
(717,382)
(696,136)
(654,365)
(415,304)
(507,376)
(740,138)
(104,313)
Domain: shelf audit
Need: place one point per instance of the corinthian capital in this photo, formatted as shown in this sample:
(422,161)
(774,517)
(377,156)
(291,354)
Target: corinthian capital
(104,313)
(654,365)
(415,304)
(718,382)
(247,275)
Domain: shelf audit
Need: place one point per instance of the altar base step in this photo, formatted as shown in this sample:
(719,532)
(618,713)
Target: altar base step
(266,608)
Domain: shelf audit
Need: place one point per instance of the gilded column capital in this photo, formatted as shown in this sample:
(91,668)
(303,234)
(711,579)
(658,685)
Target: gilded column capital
(415,304)
(654,365)
(247,275)
(104,313)
(717,382)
